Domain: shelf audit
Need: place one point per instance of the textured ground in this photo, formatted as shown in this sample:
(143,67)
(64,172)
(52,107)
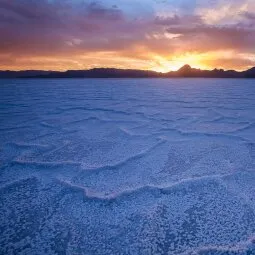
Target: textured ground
(127,166)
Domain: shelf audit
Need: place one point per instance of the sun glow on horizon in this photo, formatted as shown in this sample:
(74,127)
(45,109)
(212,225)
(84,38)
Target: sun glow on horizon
(141,61)
(175,63)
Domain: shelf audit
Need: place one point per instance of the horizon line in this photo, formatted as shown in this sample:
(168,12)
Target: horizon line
(133,69)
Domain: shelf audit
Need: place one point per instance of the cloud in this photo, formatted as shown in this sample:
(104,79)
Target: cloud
(178,20)
(36,24)
(94,10)
(67,34)
(238,63)
(249,16)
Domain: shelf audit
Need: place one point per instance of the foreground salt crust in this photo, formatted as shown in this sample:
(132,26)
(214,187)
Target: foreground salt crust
(127,166)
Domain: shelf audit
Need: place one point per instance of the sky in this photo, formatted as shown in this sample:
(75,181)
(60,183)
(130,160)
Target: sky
(160,35)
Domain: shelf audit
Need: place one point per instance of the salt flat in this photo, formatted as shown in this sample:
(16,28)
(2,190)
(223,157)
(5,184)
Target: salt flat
(127,166)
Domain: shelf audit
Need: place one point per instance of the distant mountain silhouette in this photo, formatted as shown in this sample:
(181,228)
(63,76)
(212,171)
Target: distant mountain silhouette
(185,71)
(250,73)
(20,74)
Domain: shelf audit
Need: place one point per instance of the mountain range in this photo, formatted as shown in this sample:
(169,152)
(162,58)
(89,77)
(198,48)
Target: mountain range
(186,71)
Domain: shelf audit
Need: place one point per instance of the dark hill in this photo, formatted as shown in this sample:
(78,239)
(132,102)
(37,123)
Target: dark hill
(250,73)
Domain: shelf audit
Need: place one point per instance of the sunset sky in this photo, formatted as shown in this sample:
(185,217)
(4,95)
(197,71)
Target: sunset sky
(160,35)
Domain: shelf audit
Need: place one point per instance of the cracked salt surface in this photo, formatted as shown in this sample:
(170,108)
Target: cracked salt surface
(127,166)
